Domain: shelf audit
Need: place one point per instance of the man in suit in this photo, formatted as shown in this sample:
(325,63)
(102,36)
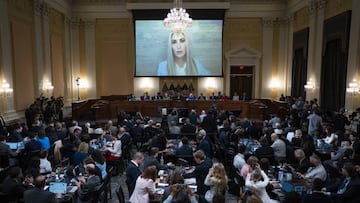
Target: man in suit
(188,128)
(88,188)
(347,189)
(200,172)
(133,171)
(185,149)
(201,97)
(204,144)
(38,194)
(145,96)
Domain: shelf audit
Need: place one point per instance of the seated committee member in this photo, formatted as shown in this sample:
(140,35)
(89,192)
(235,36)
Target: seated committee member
(145,96)
(201,97)
(179,60)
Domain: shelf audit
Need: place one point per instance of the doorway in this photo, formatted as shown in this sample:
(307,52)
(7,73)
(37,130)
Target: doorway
(241,80)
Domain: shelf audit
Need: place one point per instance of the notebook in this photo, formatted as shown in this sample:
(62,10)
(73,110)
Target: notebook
(58,187)
(12,145)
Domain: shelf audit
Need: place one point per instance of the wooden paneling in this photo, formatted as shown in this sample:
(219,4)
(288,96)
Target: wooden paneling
(108,109)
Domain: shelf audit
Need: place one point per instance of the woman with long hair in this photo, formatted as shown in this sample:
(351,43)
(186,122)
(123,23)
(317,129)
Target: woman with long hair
(179,59)
(217,180)
(259,180)
(100,162)
(145,185)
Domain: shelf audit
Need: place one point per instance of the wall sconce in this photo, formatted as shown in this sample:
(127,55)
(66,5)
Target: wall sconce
(353,88)
(309,85)
(48,87)
(81,84)
(274,84)
(5,89)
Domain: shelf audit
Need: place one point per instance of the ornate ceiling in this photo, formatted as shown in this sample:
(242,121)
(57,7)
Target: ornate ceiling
(169,1)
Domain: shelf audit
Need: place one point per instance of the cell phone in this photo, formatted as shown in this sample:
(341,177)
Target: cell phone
(181,186)
(246,189)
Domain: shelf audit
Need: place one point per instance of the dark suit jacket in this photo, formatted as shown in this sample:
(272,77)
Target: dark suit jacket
(351,194)
(184,150)
(200,174)
(14,189)
(145,97)
(204,145)
(89,189)
(39,196)
(316,197)
(188,129)
(132,173)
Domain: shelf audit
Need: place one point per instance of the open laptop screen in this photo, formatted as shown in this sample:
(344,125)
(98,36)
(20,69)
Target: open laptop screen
(12,145)
(57,187)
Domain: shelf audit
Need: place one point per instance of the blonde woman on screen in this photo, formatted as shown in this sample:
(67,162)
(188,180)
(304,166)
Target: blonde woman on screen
(179,60)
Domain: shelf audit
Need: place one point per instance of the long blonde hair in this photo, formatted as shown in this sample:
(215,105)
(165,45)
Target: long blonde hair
(219,174)
(191,68)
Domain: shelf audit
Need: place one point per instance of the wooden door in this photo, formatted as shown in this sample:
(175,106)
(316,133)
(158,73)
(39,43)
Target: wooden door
(241,80)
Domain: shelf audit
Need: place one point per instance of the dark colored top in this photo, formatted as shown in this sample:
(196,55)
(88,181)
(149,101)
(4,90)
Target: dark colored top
(200,174)
(32,146)
(87,190)
(12,188)
(79,157)
(204,145)
(316,197)
(132,173)
(188,129)
(184,150)
(351,192)
(39,196)
(264,152)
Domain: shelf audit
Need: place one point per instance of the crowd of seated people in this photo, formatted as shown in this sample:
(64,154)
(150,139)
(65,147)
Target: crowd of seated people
(311,145)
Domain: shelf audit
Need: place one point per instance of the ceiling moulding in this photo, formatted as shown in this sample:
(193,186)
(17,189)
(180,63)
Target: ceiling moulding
(63,6)
(257,10)
(295,5)
(186,5)
(103,11)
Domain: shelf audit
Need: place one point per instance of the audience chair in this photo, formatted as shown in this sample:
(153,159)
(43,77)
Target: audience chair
(120,194)
(107,182)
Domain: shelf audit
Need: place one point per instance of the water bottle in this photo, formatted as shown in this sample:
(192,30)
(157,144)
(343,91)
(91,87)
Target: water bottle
(280,175)
(162,160)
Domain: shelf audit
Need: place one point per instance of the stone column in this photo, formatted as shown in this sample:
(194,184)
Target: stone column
(67,62)
(311,50)
(268,28)
(7,110)
(289,54)
(38,45)
(75,53)
(282,56)
(318,45)
(90,57)
(353,59)
(47,56)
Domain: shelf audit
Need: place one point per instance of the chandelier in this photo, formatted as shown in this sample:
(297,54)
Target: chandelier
(177,20)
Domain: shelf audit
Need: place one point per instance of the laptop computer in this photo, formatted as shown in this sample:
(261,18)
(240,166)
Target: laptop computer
(58,187)
(20,145)
(12,145)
